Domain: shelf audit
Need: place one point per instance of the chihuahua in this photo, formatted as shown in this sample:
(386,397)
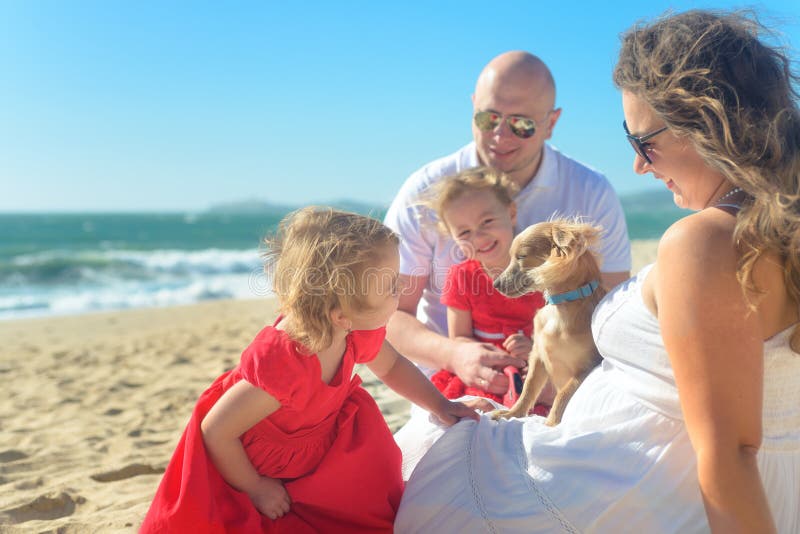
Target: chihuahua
(555,257)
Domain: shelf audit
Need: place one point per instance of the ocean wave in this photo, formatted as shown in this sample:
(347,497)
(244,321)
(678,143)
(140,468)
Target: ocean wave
(66,300)
(109,266)
(69,282)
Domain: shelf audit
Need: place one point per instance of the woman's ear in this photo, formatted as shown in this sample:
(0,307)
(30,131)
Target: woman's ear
(512,210)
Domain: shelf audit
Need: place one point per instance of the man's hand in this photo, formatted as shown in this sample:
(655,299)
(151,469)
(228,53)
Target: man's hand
(480,365)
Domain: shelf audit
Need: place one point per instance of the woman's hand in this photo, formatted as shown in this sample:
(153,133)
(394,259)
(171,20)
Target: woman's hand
(449,412)
(271,498)
(518,345)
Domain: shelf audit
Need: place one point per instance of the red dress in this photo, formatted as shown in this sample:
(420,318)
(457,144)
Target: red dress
(328,443)
(494,318)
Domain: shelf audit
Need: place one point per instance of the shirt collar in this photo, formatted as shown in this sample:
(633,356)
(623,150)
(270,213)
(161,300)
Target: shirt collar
(544,178)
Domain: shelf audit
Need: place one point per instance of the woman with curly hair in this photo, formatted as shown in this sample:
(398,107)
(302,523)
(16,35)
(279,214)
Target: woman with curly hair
(692,422)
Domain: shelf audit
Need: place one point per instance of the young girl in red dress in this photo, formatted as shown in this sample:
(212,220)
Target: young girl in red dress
(288,441)
(477,209)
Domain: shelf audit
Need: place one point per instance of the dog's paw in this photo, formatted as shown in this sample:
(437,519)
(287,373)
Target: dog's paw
(551,421)
(500,414)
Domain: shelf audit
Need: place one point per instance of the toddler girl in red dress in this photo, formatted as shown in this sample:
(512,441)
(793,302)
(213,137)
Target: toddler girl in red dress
(477,209)
(288,441)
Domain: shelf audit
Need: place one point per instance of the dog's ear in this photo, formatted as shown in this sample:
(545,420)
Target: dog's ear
(591,234)
(567,242)
(561,238)
(573,239)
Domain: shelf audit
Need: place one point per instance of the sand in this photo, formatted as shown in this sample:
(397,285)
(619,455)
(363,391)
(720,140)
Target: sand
(94,405)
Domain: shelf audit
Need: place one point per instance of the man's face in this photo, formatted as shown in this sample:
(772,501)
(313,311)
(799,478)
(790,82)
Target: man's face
(499,148)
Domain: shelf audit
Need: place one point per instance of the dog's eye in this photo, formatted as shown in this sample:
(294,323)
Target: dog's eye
(521,257)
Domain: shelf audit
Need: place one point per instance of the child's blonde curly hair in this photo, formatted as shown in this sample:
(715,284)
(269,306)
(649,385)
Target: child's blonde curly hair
(439,195)
(316,261)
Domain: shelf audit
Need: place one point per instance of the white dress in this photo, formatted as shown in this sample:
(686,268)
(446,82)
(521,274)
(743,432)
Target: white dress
(620,461)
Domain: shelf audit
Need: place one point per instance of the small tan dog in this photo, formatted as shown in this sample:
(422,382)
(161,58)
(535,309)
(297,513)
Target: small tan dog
(555,257)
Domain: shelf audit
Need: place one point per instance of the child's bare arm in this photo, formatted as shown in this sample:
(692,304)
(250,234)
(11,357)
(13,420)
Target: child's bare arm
(402,376)
(241,407)
(459,323)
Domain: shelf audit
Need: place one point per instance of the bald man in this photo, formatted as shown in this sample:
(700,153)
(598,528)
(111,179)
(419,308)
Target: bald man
(514,114)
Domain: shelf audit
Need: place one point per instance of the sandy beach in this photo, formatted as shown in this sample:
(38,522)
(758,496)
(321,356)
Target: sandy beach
(95,404)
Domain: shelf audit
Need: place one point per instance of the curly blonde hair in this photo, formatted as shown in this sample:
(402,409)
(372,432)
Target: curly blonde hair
(316,261)
(439,195)
(714,81)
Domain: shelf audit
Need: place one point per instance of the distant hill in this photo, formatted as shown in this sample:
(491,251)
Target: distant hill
(250,207)
(373,210)
(261,207)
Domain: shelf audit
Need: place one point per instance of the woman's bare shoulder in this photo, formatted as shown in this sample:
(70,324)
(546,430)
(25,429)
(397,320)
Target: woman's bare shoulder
(700,252)
(705,237)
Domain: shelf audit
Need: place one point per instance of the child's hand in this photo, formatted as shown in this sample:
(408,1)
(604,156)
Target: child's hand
(518,345)
(480,404)
(271,498)
(449,412)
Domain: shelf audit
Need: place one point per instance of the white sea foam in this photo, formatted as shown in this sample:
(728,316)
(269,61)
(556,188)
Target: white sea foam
(57,283)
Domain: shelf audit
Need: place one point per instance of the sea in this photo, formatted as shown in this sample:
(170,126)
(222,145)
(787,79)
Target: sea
(72,263)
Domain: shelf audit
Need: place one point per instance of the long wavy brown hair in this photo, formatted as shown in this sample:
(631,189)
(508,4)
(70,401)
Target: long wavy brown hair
(317,262)
(714,80)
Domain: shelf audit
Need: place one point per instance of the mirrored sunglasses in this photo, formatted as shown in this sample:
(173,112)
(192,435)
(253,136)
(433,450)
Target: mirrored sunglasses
(519,125)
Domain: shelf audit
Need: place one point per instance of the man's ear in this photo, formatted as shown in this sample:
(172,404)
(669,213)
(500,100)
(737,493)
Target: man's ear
(552,119)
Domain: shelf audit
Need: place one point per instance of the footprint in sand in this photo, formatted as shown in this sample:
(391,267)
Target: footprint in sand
(147,443)
(30,484)
(129,471)
(44,507)
(124,384)
(11,455)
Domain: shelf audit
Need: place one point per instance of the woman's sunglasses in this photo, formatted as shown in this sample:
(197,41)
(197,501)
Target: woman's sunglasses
(519,125)
(639,144)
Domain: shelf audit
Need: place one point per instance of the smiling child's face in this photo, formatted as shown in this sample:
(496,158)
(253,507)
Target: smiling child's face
(482,227)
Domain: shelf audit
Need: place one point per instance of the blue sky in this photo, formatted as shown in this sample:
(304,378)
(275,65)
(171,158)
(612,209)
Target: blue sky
(175,106)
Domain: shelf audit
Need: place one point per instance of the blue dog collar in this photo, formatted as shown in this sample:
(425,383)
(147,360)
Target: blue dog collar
(576,294)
